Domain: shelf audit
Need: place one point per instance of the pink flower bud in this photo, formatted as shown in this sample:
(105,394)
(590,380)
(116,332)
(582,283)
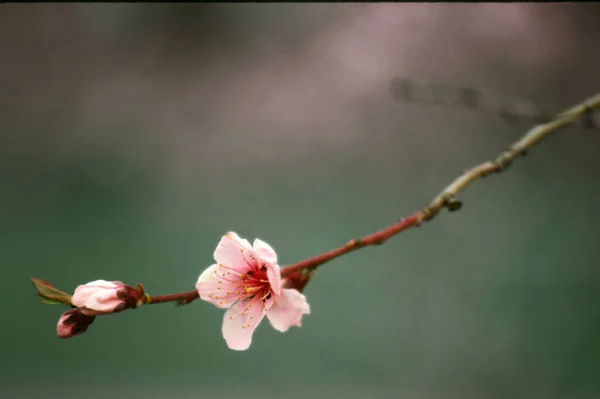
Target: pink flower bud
(73,323)
(102,297)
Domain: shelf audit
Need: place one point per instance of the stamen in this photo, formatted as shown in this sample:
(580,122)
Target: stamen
(231,270)
(267,296)
(245,260)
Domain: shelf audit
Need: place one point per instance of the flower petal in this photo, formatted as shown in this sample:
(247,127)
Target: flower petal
(83,293)
(64,330)
(274,274)
(208,275)
(239,323)
(264,251)
(269,259)
(230,252)
(207,284)
(104,284)
(98,296)
(287,309)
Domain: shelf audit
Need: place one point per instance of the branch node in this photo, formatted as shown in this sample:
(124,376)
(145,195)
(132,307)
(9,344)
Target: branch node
(355,243)
(426,215)
(504,160)
(452,203)
(380,241)
(181,302)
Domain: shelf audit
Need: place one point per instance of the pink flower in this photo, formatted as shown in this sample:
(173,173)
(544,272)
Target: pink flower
(102,297)
(247,281)
(73,323)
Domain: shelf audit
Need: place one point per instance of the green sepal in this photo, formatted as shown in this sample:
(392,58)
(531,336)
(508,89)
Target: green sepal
(49,294)
(47,301)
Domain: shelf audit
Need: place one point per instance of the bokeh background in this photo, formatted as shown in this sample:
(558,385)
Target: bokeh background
(133,136)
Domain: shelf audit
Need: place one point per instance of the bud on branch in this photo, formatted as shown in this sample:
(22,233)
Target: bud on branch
(247,279)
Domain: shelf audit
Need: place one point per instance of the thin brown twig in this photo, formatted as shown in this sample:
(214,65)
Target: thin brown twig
(182,298)
(445,199)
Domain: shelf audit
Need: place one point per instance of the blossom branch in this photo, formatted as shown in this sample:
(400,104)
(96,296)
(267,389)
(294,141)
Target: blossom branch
(247,280)
(446,199)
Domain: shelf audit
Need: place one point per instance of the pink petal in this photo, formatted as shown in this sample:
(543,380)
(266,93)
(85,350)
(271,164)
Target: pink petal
(63,330)
(264,251)
(97,297)
(209,289)
(98,308)
(239,327)
(268,255)
(105,284)
(207,278)
(84,292)
(274,274)
(287,309)
(229,252)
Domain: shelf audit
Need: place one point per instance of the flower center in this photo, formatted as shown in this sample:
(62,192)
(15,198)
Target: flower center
(234,284)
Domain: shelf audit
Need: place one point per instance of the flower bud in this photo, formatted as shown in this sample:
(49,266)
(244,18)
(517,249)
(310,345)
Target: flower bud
(103,297)
(73,323)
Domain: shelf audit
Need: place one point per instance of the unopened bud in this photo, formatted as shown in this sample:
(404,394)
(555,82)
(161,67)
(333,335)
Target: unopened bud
(73,322)
(103,297)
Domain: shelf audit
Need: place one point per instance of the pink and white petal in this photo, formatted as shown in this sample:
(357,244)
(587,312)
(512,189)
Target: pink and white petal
(287,310)
(80,297)
(91,312)
(207,284)
(264,251)
(64,330)
(84,294)
(103,301)
(274,275)
(268,258)
(233,252)
(243,242)
(240,322)
(208,275)
(104,284)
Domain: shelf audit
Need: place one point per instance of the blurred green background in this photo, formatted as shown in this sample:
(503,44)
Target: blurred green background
(133,136)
